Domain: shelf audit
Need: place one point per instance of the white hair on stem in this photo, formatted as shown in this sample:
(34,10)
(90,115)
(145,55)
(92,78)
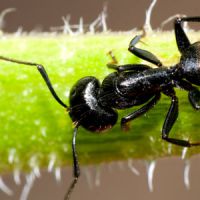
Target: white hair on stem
(150,174)
(88,175)
(132,168)
(169,19)
(57,172)
(30,178)
(186,174)
(3,14)
(147,24)
(5,188)
(16,176)
(184,152)
(97,176)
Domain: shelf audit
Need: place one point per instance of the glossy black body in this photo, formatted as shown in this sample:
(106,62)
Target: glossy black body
(85,108)
(93,105)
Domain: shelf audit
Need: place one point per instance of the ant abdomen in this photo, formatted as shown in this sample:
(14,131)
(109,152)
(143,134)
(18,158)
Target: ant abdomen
(85,109)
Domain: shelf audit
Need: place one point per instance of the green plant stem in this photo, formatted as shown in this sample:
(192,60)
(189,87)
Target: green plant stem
(35,129)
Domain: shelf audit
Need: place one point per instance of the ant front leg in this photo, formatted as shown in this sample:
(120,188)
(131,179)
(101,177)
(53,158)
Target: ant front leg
(125,120)
(143,54)
(170,120)
(127,67)
(76,168)
(113,64)
(181,38)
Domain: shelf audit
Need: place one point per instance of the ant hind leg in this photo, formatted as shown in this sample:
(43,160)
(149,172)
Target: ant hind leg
(170,120)
(181,37)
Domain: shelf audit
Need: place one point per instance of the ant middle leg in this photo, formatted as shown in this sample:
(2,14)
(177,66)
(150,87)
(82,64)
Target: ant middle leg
(143,54)
(125,120)
(170,120)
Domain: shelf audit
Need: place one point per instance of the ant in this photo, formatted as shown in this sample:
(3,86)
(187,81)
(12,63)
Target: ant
(93,105)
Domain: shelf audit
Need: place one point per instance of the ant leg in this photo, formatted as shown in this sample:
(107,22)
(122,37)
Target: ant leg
(114,62)
(127,67)
(131,67)
(143,54)
(125,120)
(193,94)
(181,37)
(44,75)
(75,166)
(170,120)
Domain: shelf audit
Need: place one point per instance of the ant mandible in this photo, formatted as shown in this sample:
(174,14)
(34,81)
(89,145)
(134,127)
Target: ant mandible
(93,105)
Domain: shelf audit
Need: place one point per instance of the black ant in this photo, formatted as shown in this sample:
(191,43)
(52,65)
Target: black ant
(93,105)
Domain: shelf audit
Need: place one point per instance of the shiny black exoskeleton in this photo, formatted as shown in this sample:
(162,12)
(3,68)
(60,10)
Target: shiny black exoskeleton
(94,105)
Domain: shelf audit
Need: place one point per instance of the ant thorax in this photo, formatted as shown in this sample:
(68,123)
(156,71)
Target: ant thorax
(190,63)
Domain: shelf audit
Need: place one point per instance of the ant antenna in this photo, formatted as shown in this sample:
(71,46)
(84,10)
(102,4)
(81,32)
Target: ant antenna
(44,74)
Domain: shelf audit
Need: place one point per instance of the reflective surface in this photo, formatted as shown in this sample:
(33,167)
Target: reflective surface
(116,180)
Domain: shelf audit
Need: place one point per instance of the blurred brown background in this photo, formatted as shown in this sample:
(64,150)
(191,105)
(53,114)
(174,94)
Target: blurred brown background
(122,15)
(117,180)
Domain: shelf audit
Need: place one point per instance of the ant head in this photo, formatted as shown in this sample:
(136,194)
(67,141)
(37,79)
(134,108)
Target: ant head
(190,63)
(85,109)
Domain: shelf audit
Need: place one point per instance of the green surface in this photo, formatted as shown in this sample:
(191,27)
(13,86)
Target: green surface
(34,128)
